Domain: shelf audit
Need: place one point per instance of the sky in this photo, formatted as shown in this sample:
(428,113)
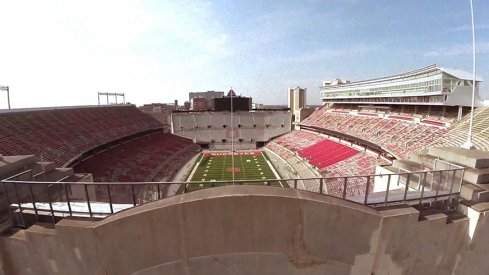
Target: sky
(60,53)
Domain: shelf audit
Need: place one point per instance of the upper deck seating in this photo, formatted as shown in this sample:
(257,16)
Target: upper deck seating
(395,134)
(58,135)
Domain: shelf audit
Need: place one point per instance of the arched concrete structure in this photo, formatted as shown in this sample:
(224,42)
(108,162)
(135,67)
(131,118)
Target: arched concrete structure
(245,230)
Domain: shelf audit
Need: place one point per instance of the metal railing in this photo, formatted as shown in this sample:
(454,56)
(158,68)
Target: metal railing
(97,200)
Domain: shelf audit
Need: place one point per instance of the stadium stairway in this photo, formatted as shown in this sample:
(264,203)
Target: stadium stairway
(475,185)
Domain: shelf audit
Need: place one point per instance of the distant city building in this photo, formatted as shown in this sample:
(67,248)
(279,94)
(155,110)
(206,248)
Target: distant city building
(186,105)
(257,105)
(267,106)
(209,95)
(198,104)
(239,103)
(296,100)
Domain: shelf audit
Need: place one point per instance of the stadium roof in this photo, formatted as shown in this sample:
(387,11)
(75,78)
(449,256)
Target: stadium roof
(460,74)
(19,110)
(454,72)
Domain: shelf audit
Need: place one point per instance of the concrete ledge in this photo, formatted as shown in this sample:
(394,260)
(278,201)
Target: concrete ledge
(243,230)
(237,191)
(462,156)
(470,192)
(435,216)
(477,176)
(10,165)
(481,207)
(407,165)
(426,160)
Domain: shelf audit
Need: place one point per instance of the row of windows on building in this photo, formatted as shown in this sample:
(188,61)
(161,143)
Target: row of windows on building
(409,99)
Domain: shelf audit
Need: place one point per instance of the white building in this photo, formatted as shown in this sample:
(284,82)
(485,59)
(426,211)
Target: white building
(296,101)
(431,85)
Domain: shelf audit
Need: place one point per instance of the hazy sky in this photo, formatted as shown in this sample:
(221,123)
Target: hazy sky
(62,52)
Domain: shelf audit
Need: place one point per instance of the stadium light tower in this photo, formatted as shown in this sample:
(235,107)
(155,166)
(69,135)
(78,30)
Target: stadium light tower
(468,144)
(6,88)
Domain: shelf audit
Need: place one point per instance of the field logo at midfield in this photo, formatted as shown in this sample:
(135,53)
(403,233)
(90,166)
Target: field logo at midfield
(236,169)
(244,153)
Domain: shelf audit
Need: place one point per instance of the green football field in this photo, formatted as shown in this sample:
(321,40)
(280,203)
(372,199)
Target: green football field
(218,166)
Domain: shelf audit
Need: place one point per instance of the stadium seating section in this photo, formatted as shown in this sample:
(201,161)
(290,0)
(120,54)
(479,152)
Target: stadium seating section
(331,158)
(297,140)
(394,133)
(326,153)
(59,135)
(155,157)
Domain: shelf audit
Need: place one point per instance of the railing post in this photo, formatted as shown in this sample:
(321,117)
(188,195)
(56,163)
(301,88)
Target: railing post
(295,183)
(110,199)
(4,184)
(88,201)
(461,180)
(33,202)
(133,195)
(388,188)
(422,190)
(320,185)
(158,188)
(406,189)
(50,204)
(68,198)
(451,189)
(19,204)
(345,183)
(438,186)
(366,190)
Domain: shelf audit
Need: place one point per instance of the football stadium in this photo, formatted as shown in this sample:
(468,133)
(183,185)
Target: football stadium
(388,175)
(72,175)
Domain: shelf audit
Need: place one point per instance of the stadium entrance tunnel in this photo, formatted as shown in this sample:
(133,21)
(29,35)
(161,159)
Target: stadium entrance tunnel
(239,230)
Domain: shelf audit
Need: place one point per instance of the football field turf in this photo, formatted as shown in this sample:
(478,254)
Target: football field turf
(218,166)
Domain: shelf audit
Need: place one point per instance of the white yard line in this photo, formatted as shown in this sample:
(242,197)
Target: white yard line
(223,168)
(242,167)
(195,168)
(277,176)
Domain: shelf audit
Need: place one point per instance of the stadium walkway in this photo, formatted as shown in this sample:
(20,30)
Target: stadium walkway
(294,168)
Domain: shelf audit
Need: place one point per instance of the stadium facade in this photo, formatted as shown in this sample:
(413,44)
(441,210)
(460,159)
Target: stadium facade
(431,85)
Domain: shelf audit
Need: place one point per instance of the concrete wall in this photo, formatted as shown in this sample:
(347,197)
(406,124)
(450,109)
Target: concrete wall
(206,127)
(248,230)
